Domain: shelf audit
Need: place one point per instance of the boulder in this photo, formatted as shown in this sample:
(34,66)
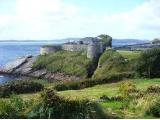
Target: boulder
(38,73)
(11,66)
(26,68)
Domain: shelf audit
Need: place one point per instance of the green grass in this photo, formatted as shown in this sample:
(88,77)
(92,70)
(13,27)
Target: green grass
(129,54)
(136,107)
(111,62)
(110,90)
(112,104)
(71,63)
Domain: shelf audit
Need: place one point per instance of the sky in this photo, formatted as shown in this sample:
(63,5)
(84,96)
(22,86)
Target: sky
(57,19)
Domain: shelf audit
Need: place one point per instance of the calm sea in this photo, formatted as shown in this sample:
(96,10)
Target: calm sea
(11,50)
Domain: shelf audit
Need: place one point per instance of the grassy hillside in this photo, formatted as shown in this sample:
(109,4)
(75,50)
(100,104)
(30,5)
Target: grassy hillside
(72,63)
(111,62)
(107,89)
(130,55)
(89,98)
(134,107)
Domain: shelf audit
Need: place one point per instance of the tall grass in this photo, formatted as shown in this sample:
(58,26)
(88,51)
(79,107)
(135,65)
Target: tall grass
(53,106)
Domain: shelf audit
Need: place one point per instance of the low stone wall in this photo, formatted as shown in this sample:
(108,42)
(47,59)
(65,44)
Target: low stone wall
(48,49)
(75,47)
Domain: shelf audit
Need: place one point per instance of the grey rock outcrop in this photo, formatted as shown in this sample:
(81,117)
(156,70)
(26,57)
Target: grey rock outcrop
(23,67)
(26,68)
(11,66)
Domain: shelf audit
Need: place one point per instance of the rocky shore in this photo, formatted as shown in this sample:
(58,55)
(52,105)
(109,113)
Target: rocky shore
(22,66)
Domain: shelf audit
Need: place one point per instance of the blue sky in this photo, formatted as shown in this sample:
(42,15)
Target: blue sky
(108,6)
(56,19)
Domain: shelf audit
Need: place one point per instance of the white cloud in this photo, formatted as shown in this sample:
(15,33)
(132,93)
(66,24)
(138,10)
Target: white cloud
(50,19)
(142,22)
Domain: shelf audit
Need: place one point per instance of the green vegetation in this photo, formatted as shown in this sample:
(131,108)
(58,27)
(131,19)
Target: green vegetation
(133,106)
(72,63)
(14,107)
(53,106)
(106,39)
(76,85)
(111,63)
(130,55)
(106,100)
(114,91)
(111,89)
(148,64)
(19,87)
(154,109)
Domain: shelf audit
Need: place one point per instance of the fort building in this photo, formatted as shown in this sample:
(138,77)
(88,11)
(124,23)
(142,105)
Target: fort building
(93,46)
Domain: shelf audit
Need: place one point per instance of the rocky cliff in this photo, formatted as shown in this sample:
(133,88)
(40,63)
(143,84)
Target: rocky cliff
(23,67)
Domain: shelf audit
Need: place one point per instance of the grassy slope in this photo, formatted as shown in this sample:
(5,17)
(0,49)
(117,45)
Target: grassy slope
(129,54)
(111,90)
(106,89)
(72,63)
(136,108)
(111,62)
(94,93)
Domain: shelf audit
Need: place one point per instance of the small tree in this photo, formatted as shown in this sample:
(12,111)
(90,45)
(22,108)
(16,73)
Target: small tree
(148,63)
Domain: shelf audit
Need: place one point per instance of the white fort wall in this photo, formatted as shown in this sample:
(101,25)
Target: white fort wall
(48,49)
(75,47)
(93,50)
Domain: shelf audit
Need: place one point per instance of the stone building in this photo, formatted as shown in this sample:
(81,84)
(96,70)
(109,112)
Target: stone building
(48,49)
(93,46)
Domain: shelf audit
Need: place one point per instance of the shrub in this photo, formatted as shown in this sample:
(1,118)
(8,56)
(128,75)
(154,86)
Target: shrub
(148,64)
(105,97)
(153,89)
(13,108)
(76,85)
(53,106)
(19,87)
(114,98)
(154,109)
(126,88)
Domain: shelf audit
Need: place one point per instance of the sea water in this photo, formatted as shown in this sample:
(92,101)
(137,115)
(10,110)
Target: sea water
(11,50)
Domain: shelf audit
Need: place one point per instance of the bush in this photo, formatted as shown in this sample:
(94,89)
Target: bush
(115,98)
(13,108)
(76,85)
(153,89)
(126,88)
(148,64)
(154,109)
(53,106)
(19,87)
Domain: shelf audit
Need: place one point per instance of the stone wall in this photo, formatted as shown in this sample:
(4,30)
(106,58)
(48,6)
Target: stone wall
(94,50)
(75,47)
(48,49)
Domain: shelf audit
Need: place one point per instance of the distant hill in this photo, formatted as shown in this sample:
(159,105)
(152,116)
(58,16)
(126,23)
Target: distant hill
(122,42)
(61,40)
(115,42)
